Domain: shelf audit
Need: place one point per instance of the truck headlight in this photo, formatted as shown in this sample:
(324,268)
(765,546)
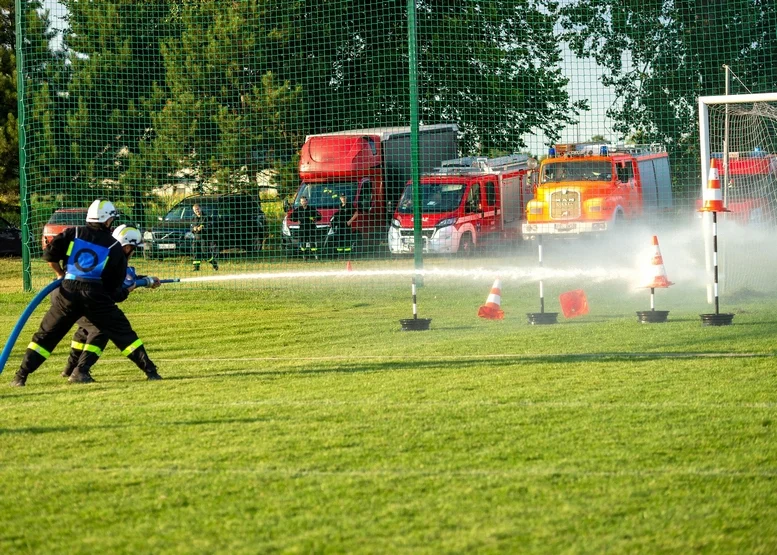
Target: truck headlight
(395,223)
(285,227)
(534,208)
(148,236)
(445,223)
(188,235)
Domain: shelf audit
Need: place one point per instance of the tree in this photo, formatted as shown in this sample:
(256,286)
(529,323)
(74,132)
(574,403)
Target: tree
(228,116)
(114,53)
(660,56)
(491,66)
(9,134)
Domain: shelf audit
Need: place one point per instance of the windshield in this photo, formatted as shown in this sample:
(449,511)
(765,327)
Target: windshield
(327,195)
(184,212)
(582,170)
(435,198)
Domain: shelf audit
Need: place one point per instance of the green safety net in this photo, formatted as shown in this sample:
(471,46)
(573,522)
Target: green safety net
(418,133)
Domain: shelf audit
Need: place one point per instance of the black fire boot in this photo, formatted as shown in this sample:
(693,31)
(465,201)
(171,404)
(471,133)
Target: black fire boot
(80,376)
(72,362)
(19,380)
(140,358)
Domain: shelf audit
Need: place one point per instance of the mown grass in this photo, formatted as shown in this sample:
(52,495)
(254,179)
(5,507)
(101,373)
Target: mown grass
(298,417)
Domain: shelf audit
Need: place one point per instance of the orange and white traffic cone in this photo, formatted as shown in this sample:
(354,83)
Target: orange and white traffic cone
(657,277)
(573,303)
(348,267)
(712,195)
(491,310)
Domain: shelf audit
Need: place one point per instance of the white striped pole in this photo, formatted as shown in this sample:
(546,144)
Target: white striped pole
(715,260)
(542,289)
(415,306)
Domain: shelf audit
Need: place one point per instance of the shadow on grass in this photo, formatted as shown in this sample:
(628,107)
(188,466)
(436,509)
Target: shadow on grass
(36,430)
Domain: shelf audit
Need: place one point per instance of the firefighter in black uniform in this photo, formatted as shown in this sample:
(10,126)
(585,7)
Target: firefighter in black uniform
(204,240)
(307,216)
(341,225)
(95,267)
(89,342)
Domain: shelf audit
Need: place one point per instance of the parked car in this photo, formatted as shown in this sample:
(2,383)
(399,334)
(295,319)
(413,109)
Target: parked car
(10,239)
(238,220)
(63,218)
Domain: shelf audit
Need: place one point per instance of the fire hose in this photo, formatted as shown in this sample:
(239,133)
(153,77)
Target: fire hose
(36,300)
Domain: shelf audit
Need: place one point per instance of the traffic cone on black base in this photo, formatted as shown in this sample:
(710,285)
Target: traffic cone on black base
(656,279)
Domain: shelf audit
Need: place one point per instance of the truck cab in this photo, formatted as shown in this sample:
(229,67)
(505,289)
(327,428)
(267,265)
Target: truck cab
(590,188)
(339,165)
(465,203)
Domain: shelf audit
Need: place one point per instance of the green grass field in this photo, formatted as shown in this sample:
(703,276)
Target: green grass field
(298,417)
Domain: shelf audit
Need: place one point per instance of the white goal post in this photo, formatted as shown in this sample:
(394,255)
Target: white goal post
(704,122)
(738,133)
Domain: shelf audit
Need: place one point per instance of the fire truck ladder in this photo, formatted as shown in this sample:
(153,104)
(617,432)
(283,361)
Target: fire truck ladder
(481,164)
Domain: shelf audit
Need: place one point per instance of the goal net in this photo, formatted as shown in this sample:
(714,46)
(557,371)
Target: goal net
(739,139)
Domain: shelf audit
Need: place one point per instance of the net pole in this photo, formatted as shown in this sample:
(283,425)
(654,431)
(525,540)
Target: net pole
(24,199)
(542,289)
(706,218)
(715,258)
(725,141)
(413,83)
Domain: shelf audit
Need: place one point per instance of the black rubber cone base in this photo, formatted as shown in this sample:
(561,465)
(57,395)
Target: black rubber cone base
(415,324)
(652,316)
(542,318)
(716,319)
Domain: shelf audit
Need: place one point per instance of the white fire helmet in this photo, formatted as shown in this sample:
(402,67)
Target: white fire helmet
(128,235)
(100,211)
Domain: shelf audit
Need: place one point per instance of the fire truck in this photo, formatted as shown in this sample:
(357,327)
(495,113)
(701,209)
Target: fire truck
(585,188)
(751,186)
(465,203)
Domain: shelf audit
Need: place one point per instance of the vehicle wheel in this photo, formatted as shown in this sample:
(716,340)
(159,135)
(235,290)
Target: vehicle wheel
(466,246)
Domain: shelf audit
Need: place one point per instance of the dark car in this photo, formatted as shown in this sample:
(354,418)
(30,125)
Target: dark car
(10,239)
(238,221)
(63,218)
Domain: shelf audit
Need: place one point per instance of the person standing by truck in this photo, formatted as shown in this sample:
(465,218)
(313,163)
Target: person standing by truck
(204,243)
(342,225)
(307,216)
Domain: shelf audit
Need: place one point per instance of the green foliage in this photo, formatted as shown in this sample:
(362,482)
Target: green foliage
(9,134)
(221,92)
(661,56)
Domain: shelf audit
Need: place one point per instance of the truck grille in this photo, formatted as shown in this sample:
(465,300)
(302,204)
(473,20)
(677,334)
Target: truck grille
(410,233)
(565,205)
(170,236)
